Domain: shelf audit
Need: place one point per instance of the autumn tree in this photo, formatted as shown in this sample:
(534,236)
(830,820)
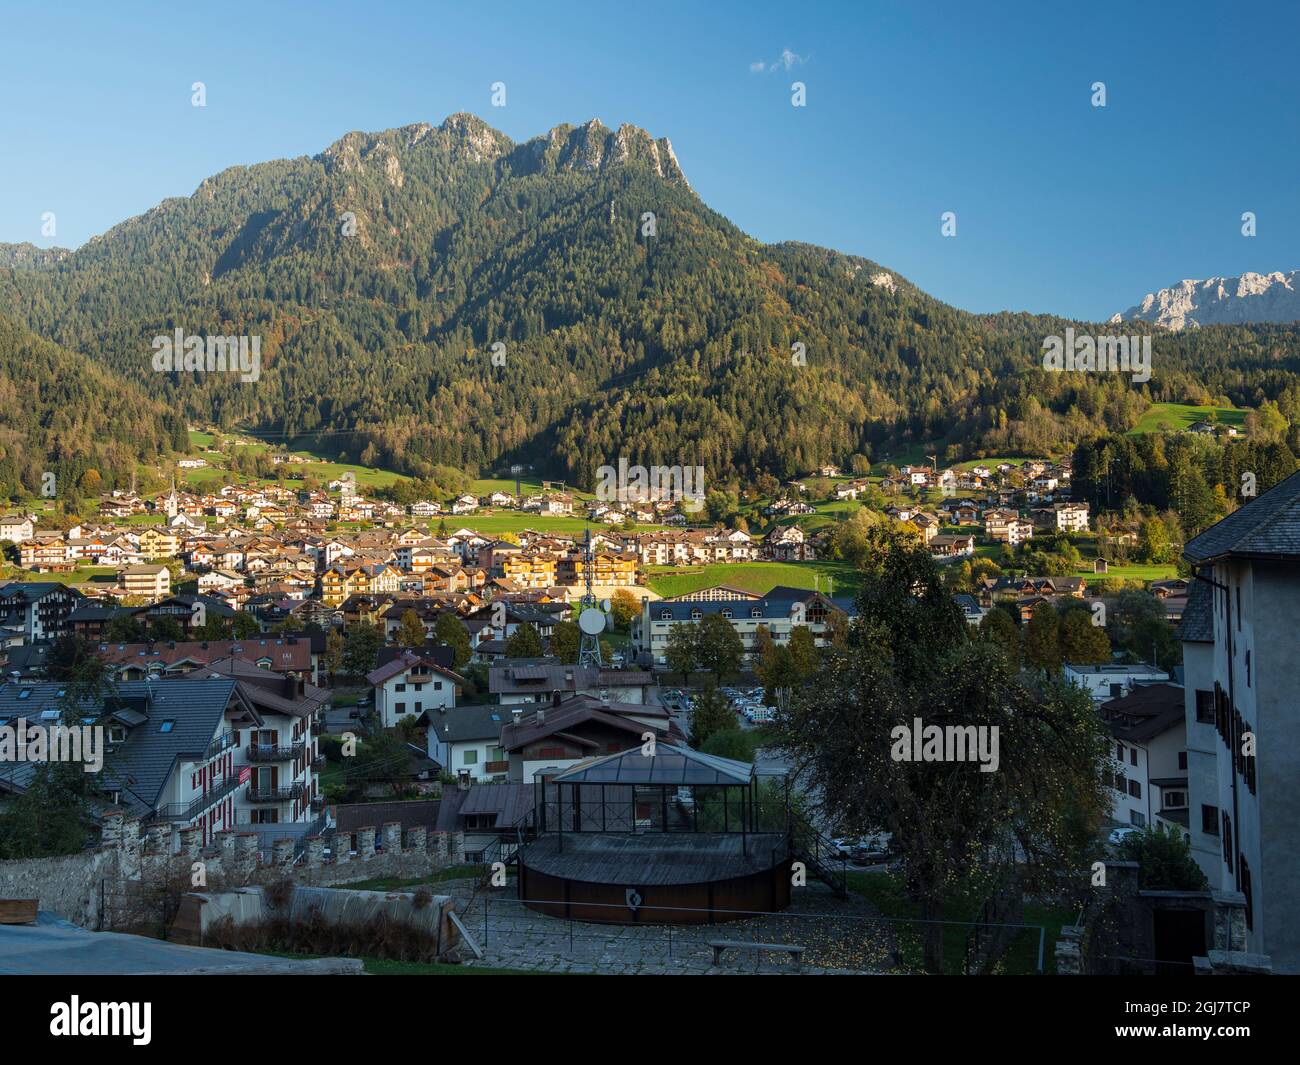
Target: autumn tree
(410,631)
(956,827)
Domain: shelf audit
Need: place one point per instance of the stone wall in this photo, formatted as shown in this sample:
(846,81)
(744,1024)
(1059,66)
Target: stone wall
(76,886)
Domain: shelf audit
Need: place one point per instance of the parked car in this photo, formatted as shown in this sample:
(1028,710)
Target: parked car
(1119,835)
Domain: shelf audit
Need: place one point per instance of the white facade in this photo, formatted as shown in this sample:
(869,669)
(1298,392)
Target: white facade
(411,692)
(1104,682)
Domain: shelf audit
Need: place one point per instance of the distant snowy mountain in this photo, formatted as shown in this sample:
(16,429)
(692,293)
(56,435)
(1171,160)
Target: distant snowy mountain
(1249,298)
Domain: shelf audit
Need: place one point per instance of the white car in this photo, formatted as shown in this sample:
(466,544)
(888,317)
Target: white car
(1119,835)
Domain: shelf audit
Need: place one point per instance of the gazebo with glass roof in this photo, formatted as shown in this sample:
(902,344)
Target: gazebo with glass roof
(657,833)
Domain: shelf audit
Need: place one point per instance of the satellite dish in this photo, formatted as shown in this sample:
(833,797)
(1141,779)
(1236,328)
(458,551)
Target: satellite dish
(591,621)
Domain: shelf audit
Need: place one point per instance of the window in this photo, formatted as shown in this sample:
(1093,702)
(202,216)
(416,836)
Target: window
(1116,690)
(1248,669)
(1121,783)
(1209,820)
(726,612)
(1182,760)
(1174,800)
(1245,890)
(1136,819)
(755,612)
(167,725)
(1205,707)
(1132,756)
(469,757)
(1119,753)
(400,688)
(1227,840)
(399,708)
(1135,789)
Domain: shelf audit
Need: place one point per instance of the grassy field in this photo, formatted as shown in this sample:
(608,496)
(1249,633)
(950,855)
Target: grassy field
(106,574)
(393,883)
(1175,416)
(761,577)
(1134,572)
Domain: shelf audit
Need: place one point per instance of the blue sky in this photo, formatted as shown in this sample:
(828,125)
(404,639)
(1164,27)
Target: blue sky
(913,109)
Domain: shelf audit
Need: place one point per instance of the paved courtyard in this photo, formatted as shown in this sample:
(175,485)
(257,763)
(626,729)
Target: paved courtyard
(839,936)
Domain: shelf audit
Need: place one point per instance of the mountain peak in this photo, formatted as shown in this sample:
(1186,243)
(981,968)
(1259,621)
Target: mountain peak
(591,147)
(1250,297)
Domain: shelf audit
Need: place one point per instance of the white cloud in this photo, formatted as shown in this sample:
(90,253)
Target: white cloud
(785,61)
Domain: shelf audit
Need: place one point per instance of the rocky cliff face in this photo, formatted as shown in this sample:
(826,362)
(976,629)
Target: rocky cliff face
(1271,297)
(590,148)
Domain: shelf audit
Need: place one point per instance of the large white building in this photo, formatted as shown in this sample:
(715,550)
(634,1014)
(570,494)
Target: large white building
(411,684)
(1242,706)
(1150,786)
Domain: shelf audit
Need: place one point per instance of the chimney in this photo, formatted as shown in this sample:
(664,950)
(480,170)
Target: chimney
(555,698)
(462,780)
(541,715)
(516,716)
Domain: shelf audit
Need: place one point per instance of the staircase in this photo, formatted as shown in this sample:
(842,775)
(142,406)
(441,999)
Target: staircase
(818,855)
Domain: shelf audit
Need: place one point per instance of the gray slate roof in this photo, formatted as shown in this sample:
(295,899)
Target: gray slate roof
(1267,527)
(1197,624)
(142,765)
(462,723)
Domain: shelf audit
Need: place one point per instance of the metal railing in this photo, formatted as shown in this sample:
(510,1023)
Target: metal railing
(222,743)
(293,791)
(180,811)
(273,752)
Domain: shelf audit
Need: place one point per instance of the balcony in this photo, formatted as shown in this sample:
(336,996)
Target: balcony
(222,743)
(502,766)
(186,812)
(273,752)
(293,791)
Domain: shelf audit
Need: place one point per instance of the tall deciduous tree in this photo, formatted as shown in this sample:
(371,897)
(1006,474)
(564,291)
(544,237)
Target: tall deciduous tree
(953,824)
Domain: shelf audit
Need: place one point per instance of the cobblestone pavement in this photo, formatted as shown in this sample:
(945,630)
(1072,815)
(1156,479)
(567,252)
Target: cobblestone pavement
(839,936)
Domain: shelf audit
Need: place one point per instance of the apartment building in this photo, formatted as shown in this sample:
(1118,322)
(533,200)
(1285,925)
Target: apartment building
(780,611)
(149,581)
(1240,646)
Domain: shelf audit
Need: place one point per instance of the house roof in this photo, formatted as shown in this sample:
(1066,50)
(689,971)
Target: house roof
(668,765)
(402,663)
(142,765)
(509,802)
(1197,624)
(570,714)
(349,816)
(464,723)
(1266,528)
(272,692)
(285,654)
(1144,713)
(522,675)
